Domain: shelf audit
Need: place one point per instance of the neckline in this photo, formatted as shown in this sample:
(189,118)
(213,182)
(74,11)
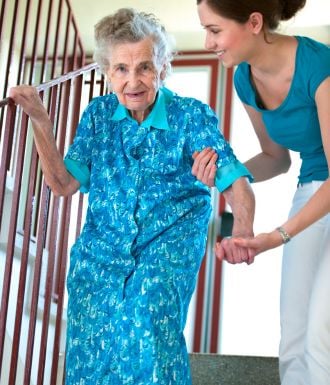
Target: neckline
(258,101)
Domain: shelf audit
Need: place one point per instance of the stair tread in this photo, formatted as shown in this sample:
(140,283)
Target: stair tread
(217,369)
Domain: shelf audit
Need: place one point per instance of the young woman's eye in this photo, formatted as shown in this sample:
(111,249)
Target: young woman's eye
(212,30)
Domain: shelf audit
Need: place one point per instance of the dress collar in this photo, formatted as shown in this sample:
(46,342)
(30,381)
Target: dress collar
(158,115)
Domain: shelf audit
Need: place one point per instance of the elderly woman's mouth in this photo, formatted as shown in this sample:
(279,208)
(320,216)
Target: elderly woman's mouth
(135,94)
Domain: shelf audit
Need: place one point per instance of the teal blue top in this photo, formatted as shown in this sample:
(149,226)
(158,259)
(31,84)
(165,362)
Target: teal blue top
(294,124)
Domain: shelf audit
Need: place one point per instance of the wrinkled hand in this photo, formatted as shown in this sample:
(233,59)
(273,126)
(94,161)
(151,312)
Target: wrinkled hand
(28,98)
(204,167)
(234,253)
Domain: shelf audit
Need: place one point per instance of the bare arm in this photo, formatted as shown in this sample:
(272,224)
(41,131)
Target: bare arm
(319,203)
(239,195)
(270,162)
(241,199)
(56,175)
(273,159)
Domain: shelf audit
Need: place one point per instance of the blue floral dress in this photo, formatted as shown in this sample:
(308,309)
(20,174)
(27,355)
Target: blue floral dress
(134,267)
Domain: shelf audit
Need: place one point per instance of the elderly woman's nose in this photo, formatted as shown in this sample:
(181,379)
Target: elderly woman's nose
(133,77)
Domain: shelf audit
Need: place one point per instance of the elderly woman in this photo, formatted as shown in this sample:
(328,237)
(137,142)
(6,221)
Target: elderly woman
(134,267)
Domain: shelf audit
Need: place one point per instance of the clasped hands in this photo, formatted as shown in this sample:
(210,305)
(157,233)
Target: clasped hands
(229,250)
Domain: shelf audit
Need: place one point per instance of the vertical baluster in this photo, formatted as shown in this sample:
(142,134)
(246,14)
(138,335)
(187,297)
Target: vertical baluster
(9,129)
(9,55)
(23,269)
(12,233)
(6,149)
(56,39)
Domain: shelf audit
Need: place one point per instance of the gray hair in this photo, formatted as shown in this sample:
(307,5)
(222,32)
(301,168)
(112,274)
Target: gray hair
(129,26)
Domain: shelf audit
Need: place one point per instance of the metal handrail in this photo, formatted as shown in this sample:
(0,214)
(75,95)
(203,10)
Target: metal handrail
(57,81)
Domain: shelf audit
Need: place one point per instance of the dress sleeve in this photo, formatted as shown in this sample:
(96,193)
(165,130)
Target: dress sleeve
(80,172)
(206,133)
(227,175)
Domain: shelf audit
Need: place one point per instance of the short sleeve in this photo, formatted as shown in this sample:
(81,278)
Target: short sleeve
(227,175)
(80,172)
(206,133)
(319,64)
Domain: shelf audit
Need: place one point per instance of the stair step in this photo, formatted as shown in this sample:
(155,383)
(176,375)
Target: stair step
(218,369)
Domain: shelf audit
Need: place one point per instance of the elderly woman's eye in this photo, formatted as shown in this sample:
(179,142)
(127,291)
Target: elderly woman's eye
(146,67)
(121,69)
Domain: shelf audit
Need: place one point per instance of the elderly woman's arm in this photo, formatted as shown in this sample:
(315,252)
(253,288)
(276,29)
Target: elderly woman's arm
(55,173)
(241,199)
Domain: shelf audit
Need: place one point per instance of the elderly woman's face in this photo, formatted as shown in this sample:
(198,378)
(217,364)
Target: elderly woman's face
(134,77)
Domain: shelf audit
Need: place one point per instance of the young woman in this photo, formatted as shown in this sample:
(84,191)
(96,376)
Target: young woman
(284,84)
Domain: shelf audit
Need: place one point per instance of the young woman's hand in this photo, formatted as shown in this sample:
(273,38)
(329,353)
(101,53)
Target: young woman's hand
(228,250)
(260,243)
(204,167)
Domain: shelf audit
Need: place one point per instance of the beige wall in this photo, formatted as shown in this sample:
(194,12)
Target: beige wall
(180,18)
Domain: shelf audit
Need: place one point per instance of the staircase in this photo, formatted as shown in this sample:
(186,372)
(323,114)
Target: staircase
(216,369)
(34,224)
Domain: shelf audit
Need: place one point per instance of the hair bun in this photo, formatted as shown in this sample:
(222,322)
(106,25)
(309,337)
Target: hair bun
(290,8)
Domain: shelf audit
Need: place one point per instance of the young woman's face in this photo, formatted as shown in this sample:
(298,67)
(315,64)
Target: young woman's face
(230,40)
(134,76)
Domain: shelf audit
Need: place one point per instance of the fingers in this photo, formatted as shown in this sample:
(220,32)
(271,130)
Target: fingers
(246,243)
(228,250)
(28,98)
(219,252)
(253,246)
(204,167)
(251,256)
(23,92)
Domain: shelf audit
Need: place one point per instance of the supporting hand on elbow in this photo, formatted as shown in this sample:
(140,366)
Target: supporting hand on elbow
(204,167)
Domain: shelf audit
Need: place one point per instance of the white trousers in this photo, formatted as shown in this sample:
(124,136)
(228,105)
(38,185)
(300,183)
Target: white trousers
(305,301)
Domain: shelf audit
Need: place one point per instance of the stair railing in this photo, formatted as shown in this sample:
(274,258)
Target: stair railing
(39,41)
(35,230)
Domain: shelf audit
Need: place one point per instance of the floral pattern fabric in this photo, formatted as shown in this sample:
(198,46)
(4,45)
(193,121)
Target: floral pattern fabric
(134,267)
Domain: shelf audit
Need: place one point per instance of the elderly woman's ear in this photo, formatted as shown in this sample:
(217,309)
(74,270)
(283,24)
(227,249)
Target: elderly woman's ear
(163,73)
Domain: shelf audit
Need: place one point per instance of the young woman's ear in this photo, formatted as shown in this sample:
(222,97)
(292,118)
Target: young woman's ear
(256,22)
